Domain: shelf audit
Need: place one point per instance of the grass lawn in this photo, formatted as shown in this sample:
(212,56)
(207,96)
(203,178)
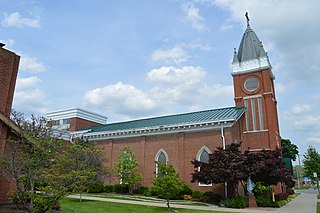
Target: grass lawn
(318,207)
(73,205)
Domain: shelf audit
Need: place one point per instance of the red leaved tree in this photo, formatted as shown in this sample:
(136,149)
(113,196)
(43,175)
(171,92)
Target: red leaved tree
(231,166)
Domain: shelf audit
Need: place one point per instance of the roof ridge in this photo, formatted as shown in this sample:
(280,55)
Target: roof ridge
(178,114)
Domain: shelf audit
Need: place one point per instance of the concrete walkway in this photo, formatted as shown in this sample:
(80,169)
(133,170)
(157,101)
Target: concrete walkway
(304,203)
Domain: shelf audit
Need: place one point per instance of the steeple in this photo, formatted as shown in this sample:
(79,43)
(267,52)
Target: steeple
(253,82)
(251,54)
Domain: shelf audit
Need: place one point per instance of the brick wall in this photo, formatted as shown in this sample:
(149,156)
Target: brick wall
(9,63)
(79,123)
(181,149)
(270,136)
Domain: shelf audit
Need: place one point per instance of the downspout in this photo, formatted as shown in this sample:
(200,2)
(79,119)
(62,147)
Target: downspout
(224,147)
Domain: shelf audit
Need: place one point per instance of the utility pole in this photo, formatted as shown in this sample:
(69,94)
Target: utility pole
(299,170)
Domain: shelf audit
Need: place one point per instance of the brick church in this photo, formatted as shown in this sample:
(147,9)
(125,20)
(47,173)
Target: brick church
(177,139)
(173,139)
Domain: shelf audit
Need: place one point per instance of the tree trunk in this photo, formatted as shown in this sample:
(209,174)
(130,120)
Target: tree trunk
(168,204)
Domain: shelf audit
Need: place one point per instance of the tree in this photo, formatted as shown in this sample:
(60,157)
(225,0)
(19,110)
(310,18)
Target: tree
(168,185)
(37,164)
(25,160)
(267,167)
(231,166)
(289,150)
(80,165)
(225,165)
(311,162)
(127,168)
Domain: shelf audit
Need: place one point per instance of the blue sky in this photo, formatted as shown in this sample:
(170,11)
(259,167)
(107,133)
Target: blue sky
(137,58)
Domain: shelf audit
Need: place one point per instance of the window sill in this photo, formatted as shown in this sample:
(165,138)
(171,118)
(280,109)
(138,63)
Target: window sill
(256,131)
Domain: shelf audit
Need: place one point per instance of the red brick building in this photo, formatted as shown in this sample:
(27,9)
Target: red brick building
(9,63)
(178,139)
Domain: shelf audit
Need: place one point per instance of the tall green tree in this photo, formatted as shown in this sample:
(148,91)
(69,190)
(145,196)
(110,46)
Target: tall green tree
(80,165)
(168,185)
(289,150)
(127,168)
(311,162)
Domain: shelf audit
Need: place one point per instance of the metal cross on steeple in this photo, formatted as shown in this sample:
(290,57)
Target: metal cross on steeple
(247,16)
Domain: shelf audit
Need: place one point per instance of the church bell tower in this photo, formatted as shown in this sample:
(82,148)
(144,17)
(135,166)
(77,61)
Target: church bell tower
(254,88)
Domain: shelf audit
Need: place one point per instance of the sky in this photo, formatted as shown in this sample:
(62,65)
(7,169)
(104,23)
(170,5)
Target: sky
(130,59)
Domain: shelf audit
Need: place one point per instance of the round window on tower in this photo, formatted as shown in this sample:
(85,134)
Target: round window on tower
(251,84)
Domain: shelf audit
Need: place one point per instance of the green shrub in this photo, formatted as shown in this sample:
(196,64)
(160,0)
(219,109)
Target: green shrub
(264,201)
(95,187)
(150,192)
(236,202)
(211,197)
(141,190)
(108,188)
(186,190)
(197,194)
(260,189)
(121,188)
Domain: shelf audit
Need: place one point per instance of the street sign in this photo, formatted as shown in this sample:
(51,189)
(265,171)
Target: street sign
(315,174)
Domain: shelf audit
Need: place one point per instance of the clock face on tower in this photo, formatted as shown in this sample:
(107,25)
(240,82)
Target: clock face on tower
(251,84)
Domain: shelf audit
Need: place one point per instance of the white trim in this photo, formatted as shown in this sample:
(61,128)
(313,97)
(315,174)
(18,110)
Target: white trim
(262,130)
(257,150)
(159,152)
(252,96)
(103,135)
(249,65)
(203,148)
(268,93)
(157,156)
(76,113)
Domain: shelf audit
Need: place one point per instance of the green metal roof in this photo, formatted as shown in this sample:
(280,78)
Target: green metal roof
(213,115)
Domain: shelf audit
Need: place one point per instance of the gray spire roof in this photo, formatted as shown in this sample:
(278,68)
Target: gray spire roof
(250,46)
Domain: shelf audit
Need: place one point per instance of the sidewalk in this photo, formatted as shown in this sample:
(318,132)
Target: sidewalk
(304,203)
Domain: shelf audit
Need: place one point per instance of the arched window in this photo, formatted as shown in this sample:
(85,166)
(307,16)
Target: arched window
(203,156)
(161,157)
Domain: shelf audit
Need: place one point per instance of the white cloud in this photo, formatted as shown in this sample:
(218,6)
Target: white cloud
(31,64)
(16,20)
(307,122)
(297,111)
(121,99)
(314,139)
(301,108)
(174,75)
(193,16)
(173,88)
(28,96)
(176,54)
(197,45)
